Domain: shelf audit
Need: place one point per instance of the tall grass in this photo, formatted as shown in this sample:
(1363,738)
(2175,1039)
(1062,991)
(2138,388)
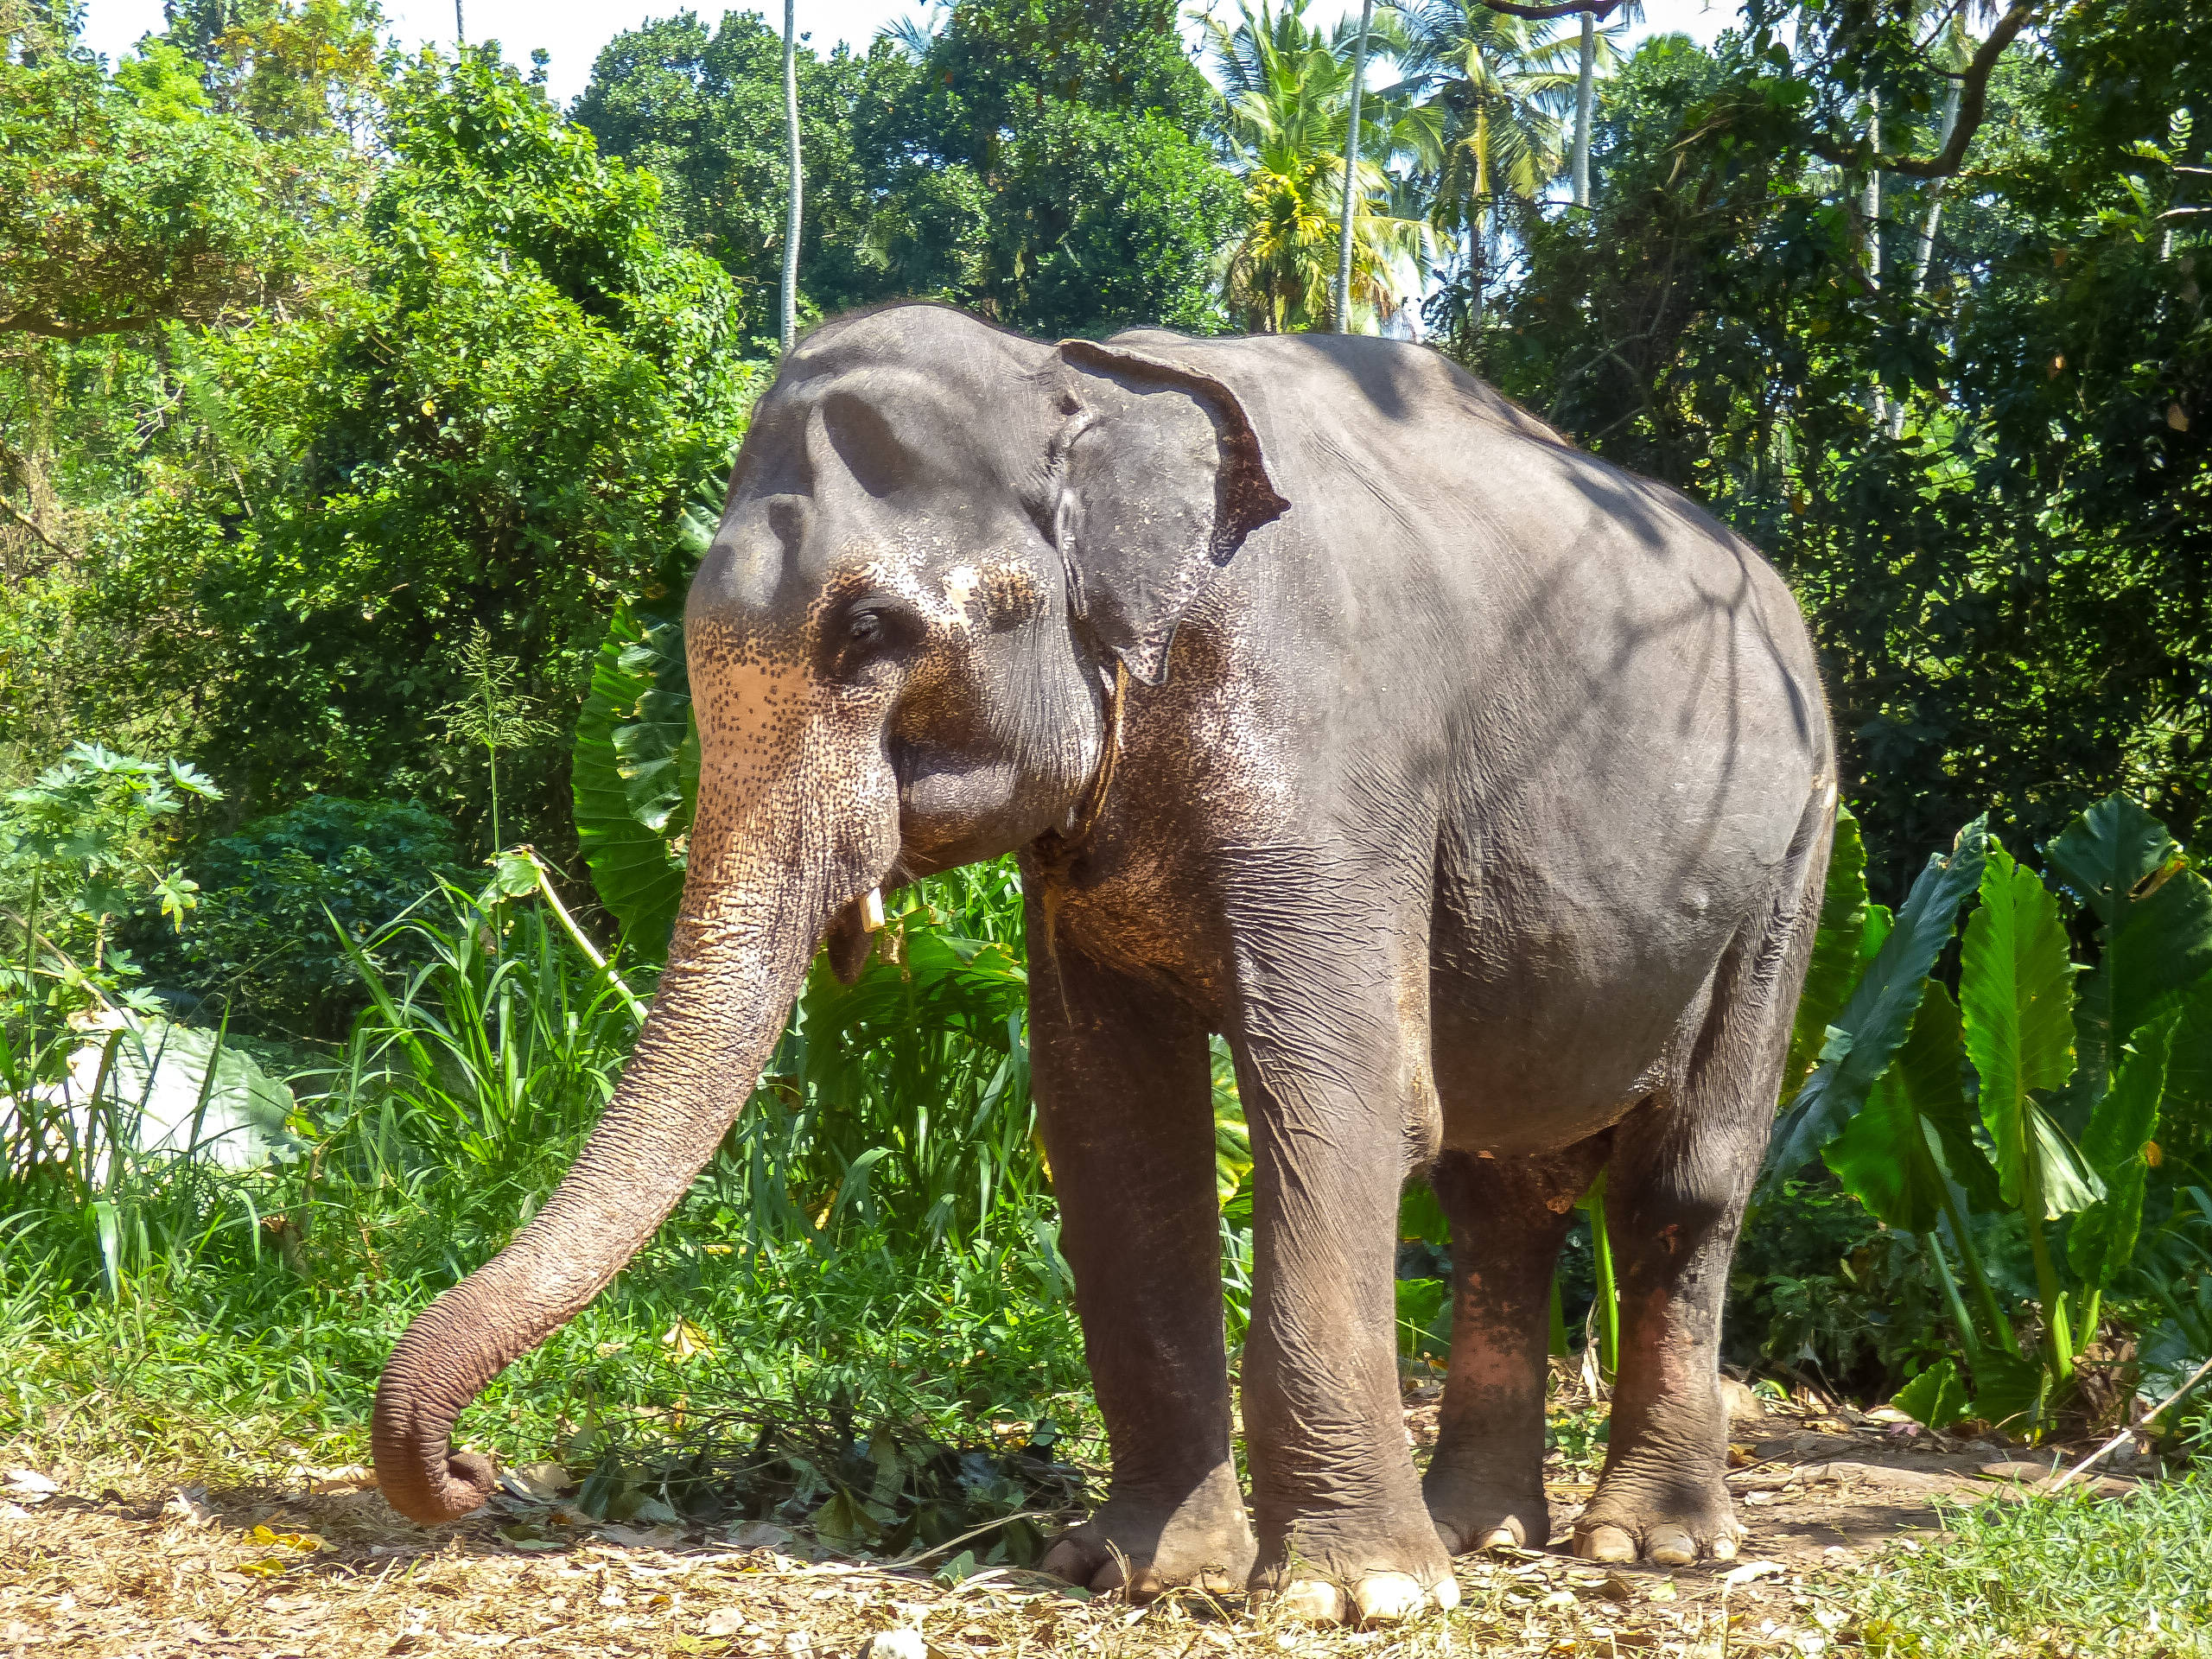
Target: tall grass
(874,1232)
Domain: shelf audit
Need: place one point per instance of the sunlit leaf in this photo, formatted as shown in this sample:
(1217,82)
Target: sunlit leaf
(1879,1013)
(2015,993)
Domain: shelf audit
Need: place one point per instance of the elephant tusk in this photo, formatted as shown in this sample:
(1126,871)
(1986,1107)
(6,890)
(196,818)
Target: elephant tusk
(872,911)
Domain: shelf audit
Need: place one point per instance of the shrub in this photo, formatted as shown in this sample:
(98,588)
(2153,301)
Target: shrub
(262,940)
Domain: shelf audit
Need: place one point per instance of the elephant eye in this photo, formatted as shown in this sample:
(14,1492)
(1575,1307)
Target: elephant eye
(865,628)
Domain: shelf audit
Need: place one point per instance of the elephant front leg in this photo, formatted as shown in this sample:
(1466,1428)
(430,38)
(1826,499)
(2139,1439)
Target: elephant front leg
(1125,1103)
(1343,1531)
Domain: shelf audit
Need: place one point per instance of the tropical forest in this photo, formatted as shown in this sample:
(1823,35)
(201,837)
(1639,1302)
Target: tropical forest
(366,413)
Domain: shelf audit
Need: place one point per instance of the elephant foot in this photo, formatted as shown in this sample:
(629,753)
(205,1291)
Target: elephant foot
(1337,1575)
(1379,1598)
(1667,1523)
(1140,1547)
(1472,1513)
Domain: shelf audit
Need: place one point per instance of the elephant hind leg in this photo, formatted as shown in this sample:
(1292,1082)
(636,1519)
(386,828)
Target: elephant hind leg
(1508,1215)
(1681,1171)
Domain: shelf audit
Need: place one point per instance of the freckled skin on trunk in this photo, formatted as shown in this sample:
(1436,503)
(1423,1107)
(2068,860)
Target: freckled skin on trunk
(1476,791)
(693,1067)
(771,859)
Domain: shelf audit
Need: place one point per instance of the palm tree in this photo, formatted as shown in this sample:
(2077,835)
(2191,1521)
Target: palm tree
(1595,47)
(790,330)
(1286,89)
(1499,88)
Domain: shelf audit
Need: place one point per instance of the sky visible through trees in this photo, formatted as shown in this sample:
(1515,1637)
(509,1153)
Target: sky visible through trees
(573,31)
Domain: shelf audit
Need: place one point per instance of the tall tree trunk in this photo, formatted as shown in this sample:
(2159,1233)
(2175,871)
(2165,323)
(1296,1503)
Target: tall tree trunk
(1924,255)
(1352,171)
(1869,230)
(459,33)
(790,147)
(1585,88)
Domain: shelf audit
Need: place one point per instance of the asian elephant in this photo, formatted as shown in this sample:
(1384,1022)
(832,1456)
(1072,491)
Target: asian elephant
(1478,792)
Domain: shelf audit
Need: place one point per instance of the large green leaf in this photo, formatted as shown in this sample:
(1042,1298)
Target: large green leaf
(2062,1175)
(657,749)
(2161,944)
(2188,1071)
(1931,1067)
(1886,1158)
(1936,1397)
(1914,1140)
(2157,932)
(1879,1013)
(2108,852)
(2101,1241)
(1835,965)
(635,866)
(2016,992)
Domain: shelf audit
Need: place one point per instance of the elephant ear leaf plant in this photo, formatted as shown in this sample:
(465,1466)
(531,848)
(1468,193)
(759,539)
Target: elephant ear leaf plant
(2034,1096)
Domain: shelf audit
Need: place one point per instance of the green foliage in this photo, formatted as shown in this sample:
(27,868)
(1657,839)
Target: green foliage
(636,731)
(1877,1017)
(902,1099)
(133,205)
(703,114)
(491,714)
(491,424)
(1041,163)
(80,852)
(275,898)
(1907,1145)
(2016,997)
(1835,964)
(1044,164)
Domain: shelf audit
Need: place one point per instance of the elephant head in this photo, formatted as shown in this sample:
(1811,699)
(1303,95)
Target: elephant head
(943,546)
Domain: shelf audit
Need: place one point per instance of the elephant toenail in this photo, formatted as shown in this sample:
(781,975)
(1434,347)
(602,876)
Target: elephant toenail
(1446,1594)
(1724,1547)
(1311,1601)
(1669,1546)
(1065,1561)
(1387,1597)
(1604,1544)
(1508,1535)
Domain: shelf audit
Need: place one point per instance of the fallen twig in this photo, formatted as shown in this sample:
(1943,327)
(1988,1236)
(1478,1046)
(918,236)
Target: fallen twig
(2128,1433)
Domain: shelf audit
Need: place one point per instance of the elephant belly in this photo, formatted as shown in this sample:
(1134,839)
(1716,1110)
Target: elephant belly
(1543,1036)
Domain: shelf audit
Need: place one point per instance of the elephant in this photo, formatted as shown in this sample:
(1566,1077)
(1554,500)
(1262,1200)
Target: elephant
(1476,791)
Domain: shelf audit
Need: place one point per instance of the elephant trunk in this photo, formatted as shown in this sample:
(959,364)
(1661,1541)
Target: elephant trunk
(738,956)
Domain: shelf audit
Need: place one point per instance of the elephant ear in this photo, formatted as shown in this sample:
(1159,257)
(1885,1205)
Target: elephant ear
(1160,480)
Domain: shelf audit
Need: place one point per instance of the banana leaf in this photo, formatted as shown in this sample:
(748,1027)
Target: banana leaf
(630,757)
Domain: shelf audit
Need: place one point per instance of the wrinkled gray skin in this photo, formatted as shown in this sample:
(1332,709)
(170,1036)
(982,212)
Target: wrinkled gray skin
(1478,792)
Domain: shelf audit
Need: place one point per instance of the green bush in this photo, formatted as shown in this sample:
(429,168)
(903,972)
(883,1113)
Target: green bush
(262,944)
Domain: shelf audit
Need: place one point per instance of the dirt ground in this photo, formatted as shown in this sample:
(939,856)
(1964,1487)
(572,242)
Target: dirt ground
(109,1558)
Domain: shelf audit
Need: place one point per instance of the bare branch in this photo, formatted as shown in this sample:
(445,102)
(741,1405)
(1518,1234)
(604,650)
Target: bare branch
(32,526)
(1973,105)
(50,327)
(1600,10)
